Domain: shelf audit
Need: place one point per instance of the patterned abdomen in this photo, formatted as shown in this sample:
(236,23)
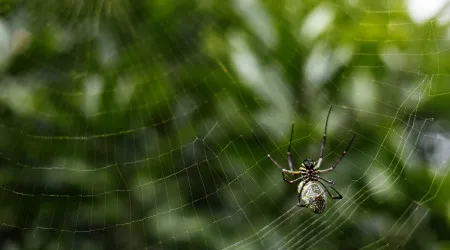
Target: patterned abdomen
(313,196)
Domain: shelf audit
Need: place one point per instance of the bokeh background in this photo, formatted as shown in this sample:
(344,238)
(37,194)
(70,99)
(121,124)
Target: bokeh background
(128,124)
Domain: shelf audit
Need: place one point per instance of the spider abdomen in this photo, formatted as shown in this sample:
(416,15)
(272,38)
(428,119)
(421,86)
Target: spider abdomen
(313,196)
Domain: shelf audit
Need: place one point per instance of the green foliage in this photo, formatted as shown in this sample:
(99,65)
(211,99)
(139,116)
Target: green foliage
(127,124)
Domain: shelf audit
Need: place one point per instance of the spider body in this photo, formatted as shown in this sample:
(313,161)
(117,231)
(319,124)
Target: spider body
(311,193)
(313,196)
(311,190)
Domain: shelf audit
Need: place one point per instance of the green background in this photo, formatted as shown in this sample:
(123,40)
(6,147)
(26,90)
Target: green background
(128,124)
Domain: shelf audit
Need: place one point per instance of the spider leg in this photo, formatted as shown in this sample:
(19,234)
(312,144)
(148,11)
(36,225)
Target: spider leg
(324,140)
(340,158)
(293,181)
(292,172)
(268,155)
(329,193)
(335,197)
(330,182)
(283,171)
(289,149)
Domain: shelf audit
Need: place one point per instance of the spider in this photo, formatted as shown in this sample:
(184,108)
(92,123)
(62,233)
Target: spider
(311,190)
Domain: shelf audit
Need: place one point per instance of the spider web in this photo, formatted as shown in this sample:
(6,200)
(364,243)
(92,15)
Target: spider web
(128,125)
